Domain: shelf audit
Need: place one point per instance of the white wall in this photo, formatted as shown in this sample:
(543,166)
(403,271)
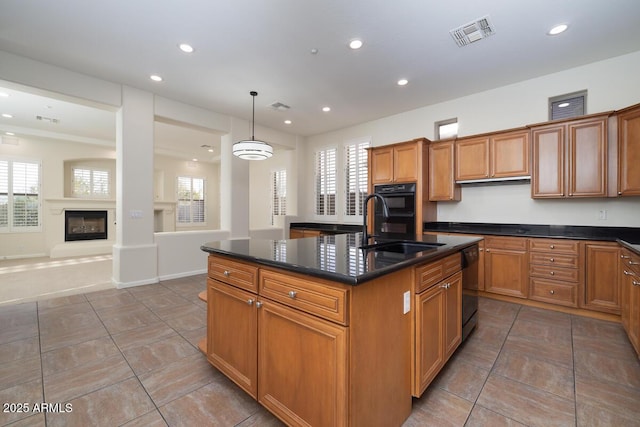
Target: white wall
(611,84)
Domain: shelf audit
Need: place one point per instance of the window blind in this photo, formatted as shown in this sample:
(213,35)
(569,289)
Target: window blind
(19,195)
(191,200)
(356,177)
(326,182)
(278,193)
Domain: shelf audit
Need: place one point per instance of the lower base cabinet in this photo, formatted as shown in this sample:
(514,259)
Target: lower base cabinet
(602,287)
(630,295)
(506,266)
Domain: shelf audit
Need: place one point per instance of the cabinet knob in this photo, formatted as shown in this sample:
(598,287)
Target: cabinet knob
(446,285)
(258,304)
(488,250)
(226,273)
(551,259)
(551,247)
(552,273)
(250,301)
(292,294)
(619,193)
(552,292)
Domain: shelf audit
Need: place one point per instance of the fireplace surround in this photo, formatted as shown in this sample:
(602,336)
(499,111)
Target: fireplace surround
(85,225)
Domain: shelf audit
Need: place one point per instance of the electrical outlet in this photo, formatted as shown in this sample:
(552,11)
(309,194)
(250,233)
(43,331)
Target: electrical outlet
(602,214)
(406,302)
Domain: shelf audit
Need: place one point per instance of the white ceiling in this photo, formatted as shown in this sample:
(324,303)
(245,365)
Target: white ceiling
(244,45)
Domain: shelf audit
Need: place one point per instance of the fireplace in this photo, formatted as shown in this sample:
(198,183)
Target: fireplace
(85,225)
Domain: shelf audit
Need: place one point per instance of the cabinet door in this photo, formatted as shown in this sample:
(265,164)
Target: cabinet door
(295,234)
(405,163)
(472,159)
(602,287)
(629,153)
(634,311)
(381,165)
(509,154)
(442,186)
(506,270)
(587,158)
(547,179)
(430,353)
(232,345)
(453,313)
(302,356)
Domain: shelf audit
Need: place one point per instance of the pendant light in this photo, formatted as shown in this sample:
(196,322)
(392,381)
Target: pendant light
(252,149)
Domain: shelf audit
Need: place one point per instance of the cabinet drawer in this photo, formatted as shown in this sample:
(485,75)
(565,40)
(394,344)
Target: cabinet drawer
(630,262)
(554,273)
(554,246)
(430,274)
(312,297)
(234,273)
(552,259)
(515,243)
(553,292)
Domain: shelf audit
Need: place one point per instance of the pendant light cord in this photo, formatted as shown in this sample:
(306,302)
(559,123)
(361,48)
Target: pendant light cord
(253,115)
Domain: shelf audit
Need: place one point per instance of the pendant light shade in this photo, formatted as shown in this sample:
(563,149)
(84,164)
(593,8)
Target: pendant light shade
(252,149)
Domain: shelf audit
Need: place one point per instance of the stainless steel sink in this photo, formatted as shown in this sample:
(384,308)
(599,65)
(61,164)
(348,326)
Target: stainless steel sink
(402,247)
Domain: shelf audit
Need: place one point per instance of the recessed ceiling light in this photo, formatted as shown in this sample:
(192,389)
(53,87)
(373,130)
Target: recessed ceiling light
(402,82)
(9,133)
(558,29)
(155,78)
(326,109)
(355,44)
(564,104)
(210,150)
(7,116)
(4,95)
(287,122)
(186,48)
(314,51)
(194,159)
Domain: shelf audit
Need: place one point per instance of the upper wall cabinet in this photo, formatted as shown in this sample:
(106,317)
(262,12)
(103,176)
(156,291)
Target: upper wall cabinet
(395,163)
(570,158)
(501,155)
(629,151)
(442,186)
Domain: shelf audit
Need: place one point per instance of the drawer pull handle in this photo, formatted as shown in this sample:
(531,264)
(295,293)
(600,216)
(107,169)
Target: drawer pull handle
(552,273)
(226,273)
(552,292)
(625,256)
(446,286)
(551,247)
(635,283)
(250,301)
(551,259)
(634,263)
(627,273)
(292,294)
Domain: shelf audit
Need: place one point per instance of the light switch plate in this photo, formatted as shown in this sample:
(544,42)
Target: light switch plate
(407,302)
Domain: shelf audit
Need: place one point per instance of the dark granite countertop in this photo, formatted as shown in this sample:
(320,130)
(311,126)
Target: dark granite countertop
(634,247)
(337,257)
(336,228)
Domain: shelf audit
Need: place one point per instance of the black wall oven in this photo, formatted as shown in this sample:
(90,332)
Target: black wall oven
(401,201)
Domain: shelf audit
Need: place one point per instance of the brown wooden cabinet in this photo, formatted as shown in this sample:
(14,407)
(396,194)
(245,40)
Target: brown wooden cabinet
(395,163)
(437,319)
(629,151)
(630,295)
(602,286)
(442,185)
(555,271)
(498,155)
(570,158)
(506,266)
(298,233)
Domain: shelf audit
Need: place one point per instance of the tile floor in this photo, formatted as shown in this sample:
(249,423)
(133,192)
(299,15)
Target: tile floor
(130,358)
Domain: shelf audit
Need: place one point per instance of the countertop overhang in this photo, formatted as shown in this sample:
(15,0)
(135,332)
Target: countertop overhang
(336,257)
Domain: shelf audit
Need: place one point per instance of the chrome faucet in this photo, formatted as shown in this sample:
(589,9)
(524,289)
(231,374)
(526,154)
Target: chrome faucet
(385,212)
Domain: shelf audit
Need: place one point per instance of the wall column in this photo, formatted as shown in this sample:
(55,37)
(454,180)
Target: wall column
(234,187)
(135,254)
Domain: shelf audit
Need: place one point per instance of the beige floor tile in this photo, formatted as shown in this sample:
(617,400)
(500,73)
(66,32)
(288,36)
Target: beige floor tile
(482,417)
(124,318)
(555,352)
(160,301)
(37,420)
(593,416)
(536,372)
(477,353)
(587,327)
(461,378)
(158,354)
(179,309)
(20,371)
(61,301)
(194,336)
(18,322)
(83,379)
(190,321)
(109,406)
(150,419)
(606,368)
(608,396)
(553,318)
(28,392)
(19,349)
(617,349)
(178,378)
(525,404)
(542,331)
(61,338)
(72,356)
(219,403)
(262,418)
(144,335)
(437,407)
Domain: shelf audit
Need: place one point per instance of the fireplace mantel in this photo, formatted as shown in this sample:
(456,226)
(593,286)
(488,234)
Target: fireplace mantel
(57,206)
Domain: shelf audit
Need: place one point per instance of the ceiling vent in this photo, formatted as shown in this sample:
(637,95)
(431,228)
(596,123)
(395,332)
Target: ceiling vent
(473,31)
(279,106)
(48,119)
(8,140)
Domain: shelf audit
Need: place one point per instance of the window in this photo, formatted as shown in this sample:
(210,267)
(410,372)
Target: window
(326,182)
(191,201)
(356,177)
(19,196)
(90,183)
(446,129)
(278,193)
(567,106)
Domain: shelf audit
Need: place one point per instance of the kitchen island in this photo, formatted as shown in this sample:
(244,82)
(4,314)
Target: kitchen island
(324,333)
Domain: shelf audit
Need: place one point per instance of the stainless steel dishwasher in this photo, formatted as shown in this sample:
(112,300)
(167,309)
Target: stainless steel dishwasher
(470,258)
